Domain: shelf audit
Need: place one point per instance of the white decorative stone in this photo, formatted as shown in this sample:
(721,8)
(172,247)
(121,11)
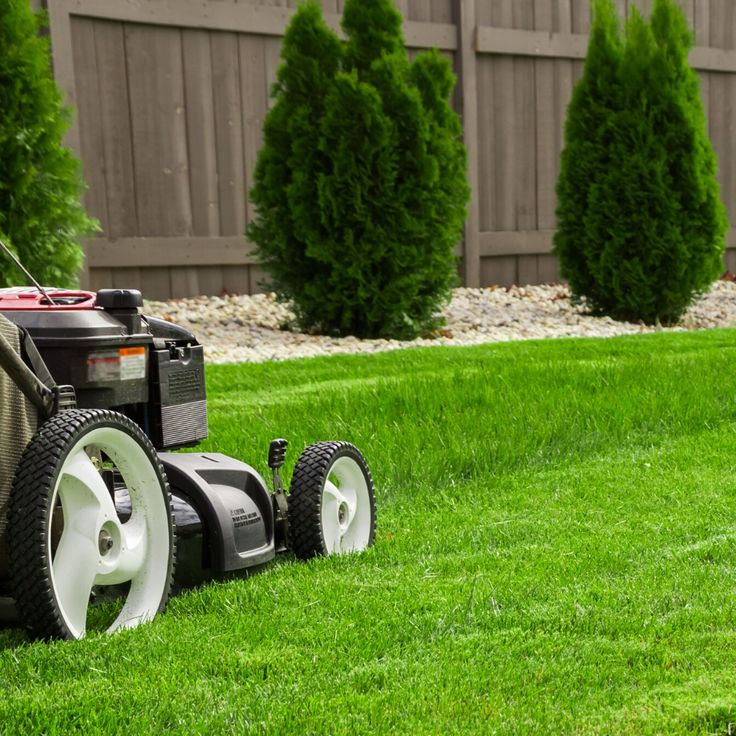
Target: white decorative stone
(256,328)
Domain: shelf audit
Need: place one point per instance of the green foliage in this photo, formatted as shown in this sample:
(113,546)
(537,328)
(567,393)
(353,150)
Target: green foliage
(40,183)
(360,186)
(641,224)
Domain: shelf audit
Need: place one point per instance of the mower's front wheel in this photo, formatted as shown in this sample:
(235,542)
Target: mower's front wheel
(69,546)
(332,507)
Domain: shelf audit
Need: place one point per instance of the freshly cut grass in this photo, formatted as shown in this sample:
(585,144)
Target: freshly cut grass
(555,553)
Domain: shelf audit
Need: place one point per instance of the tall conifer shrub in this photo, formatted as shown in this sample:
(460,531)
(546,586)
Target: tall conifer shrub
(360,186)
(640,221)
(40,182)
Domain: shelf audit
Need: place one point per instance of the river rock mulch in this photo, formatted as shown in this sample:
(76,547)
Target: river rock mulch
(239,329)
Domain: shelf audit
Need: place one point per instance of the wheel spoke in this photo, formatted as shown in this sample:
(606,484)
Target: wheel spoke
(132,554)
(74,568)
(332,498)
(334,492)
(353,487)
(86,505)
(81,487)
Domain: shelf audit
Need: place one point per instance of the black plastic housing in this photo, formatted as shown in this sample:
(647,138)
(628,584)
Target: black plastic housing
(178,408)
(115,358)
(82,348)
(233,503)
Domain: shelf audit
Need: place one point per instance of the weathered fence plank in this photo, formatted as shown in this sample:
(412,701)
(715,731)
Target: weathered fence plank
(467,74)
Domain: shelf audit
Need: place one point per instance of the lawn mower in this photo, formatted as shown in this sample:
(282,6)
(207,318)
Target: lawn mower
(99,516)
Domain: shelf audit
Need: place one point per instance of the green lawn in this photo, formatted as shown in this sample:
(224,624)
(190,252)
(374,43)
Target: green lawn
(556,553)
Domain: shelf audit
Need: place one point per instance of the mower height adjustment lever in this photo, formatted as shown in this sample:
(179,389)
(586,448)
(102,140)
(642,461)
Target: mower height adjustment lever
(276,455)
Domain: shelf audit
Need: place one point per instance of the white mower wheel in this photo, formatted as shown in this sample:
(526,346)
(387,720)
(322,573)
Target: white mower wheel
(331,506)
(65,535)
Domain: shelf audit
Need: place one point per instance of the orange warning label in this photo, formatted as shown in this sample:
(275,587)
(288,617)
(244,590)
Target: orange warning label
(132,363)
(124,352)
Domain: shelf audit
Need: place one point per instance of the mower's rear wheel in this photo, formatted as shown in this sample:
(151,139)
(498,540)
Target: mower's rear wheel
(68,545)
(332,507)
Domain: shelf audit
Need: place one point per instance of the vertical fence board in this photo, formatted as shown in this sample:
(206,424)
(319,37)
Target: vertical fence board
(722,97)
(254,95)
(580,16)
(228,131)
(90,125)
(184,281)
(159,130)
(550,81)
(702,38)
(729,261)
(402,5)
(505,141)
(486,147)
(466,60)
(202,147)
(419,10)
(211,280)
(237,280)
(99,278)
(442,11)
(200,119)
(128,278)
(546,133)
(155,283)
(486,94)
(525,113)
(114,106)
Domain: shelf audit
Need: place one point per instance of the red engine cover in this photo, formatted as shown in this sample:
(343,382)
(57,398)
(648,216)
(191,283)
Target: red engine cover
(27,298)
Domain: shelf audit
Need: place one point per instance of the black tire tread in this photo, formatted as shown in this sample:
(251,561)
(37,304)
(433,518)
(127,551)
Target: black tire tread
(305,498)
(29,515)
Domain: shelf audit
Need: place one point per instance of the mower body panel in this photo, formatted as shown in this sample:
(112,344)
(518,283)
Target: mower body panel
(233,503)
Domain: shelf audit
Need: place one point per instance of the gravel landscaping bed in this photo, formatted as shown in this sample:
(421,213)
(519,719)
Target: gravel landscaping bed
(238,329)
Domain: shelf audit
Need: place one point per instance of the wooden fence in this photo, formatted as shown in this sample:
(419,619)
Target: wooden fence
(171,96)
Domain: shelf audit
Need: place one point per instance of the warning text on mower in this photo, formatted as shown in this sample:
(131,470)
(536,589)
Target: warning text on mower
(242,518)
(125,364)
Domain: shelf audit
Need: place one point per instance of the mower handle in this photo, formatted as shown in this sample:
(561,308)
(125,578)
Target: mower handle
(25,379)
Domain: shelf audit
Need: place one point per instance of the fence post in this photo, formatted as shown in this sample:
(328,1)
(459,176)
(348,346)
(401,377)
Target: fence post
(465,63)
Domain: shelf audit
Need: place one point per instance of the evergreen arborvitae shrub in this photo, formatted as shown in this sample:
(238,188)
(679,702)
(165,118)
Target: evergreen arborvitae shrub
(360,186)
(641,224)
(40,183)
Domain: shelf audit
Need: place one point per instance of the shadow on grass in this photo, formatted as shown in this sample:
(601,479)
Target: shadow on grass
(12,638)
(12,634)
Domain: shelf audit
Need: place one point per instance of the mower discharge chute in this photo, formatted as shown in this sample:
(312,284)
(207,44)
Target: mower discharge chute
(95,505)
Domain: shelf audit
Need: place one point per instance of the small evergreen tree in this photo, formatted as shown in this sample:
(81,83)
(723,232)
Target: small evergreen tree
(370,209)
(40,182)
(640,222)
(289,224)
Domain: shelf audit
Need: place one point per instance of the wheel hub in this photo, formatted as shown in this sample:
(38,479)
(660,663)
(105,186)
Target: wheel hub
(105,542)
(342,514)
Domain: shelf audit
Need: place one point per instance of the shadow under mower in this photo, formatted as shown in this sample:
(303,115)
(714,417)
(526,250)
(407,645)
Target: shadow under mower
(95,505)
